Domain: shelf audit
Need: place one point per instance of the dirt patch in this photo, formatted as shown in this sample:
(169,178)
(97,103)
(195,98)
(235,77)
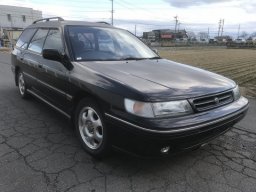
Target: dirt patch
(249,89)
(237,64)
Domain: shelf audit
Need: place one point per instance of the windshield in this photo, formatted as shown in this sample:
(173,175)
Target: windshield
(106,44)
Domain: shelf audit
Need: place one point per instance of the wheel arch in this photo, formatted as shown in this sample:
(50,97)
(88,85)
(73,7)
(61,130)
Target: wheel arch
(84,94)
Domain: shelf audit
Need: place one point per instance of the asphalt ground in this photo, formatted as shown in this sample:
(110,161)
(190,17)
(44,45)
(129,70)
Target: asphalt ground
(39,152)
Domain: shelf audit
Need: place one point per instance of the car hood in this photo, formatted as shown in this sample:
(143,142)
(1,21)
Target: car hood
(162,78)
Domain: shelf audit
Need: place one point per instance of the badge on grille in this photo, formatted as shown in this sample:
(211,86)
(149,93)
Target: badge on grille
(217,101)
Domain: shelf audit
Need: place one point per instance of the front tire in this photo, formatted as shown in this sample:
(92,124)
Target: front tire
(91,129)
(22,86)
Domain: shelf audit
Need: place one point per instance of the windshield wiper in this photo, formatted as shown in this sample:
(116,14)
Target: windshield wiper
(155,58)
(139,58)
(133,58)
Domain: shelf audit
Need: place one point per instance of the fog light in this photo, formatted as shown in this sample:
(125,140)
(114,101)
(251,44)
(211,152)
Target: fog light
(165,150)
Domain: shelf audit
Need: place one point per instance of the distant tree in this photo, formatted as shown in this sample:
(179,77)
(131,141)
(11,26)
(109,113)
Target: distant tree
(243,35)
(253,34)
(203,35)
(191,35)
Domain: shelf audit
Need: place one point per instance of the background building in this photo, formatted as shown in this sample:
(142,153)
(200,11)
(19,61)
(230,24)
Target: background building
(12,22)
(12,17)
(165,35)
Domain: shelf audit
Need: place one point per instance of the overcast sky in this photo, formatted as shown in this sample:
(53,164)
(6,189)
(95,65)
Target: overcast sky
(193,15)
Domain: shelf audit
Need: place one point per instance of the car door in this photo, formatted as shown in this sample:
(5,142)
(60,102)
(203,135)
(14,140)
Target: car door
(20,56)
(33,58)
(52,78)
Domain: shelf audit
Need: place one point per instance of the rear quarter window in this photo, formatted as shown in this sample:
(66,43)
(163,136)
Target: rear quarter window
(25,38)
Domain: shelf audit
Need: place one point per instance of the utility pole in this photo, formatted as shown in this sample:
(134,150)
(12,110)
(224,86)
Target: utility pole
(135,30)
(238,33)
(176,23)
(219,27)
(112,12)
(208,34)
(222,27)
(179,27)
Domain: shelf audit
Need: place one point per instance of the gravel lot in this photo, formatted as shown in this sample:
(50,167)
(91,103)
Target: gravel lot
(39,152)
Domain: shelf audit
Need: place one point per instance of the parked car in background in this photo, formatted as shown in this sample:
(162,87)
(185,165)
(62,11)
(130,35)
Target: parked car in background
(240,40)
(119,93)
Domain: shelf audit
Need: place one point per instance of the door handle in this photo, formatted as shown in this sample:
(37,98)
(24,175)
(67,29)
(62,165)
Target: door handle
(21,59)
(40,67)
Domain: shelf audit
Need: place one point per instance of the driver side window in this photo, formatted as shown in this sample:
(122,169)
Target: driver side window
(36,44)
(54,40)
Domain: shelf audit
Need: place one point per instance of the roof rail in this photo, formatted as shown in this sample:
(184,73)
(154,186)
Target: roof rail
(48,19)
(103,22)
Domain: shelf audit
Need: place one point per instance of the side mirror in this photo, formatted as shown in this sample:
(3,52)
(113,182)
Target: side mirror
(52,54)
(55,55)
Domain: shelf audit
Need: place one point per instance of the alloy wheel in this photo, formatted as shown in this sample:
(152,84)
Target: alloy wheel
(90,128)
(22,87)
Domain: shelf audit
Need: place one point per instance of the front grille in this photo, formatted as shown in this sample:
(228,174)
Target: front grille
(212,101)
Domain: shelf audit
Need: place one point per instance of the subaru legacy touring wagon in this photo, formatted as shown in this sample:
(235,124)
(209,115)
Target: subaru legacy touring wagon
(120,94)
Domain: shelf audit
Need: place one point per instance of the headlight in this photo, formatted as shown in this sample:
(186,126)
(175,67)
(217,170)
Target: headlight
(138,108)
(171,108)
(236,93)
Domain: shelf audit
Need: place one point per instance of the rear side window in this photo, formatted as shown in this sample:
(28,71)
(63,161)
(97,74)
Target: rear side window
(25,38)
(53,40)
(37,42)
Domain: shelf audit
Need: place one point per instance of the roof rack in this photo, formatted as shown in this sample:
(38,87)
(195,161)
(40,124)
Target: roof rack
(48,19)
(103,22)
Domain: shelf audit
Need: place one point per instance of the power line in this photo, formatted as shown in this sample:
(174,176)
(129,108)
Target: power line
(135,8)
(137,25)
(132,5)
(141,23)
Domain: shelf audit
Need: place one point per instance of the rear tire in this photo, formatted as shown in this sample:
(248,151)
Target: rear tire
(91,129)
(22,85)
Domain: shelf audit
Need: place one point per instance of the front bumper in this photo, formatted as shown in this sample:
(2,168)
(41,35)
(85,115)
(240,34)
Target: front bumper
(148,136)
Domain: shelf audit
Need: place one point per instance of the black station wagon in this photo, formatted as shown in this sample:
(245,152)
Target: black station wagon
(119,93)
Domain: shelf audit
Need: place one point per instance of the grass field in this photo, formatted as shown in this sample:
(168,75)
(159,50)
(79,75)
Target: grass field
(237,64)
